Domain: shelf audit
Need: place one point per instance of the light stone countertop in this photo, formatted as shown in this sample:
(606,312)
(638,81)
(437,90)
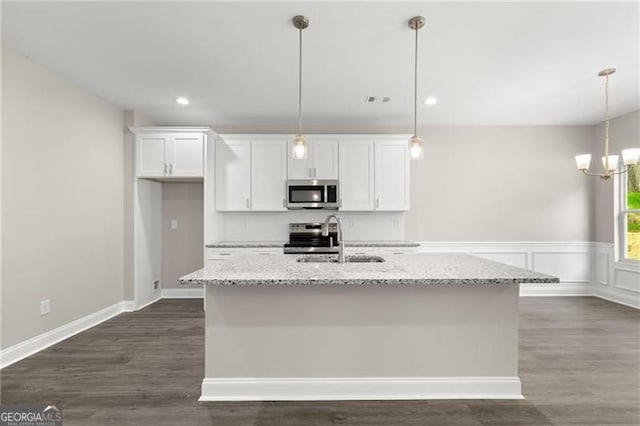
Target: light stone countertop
(276,244)
(411,269)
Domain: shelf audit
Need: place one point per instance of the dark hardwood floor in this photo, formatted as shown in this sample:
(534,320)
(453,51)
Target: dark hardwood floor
(579,364)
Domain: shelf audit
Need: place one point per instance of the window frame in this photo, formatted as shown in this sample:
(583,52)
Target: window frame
(621,223)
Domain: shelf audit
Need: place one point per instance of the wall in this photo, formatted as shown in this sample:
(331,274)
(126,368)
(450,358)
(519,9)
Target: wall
(62,189)
(181,247)
(624,132)
(492,183)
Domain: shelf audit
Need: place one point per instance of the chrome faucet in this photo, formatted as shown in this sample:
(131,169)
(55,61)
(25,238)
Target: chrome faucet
(325,232)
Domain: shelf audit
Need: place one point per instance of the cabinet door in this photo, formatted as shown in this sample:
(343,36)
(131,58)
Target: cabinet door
(356,175)
(297,169)
(391,175)
(233,175)
(185,155)
(268,175)
(151,155)
(324,159)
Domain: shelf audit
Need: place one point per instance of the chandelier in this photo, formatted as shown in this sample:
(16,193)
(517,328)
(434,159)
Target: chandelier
(609,162)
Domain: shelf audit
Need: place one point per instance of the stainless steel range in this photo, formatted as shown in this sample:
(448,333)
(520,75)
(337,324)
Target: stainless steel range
(307,238)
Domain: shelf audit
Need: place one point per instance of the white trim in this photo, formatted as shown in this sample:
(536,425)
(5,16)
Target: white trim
(183,293)
(359,388)
(151,302)
(31,346)
(128,306)
(563,289)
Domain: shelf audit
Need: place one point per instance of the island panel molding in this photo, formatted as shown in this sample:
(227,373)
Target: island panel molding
(359,388)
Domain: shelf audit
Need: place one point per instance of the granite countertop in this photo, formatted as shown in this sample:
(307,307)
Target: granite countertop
(413,269)
(275,244)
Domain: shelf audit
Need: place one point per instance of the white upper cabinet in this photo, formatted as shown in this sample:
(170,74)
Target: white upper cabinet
(251,174)
(268,175)
(356,177)
(151,155)
(233,175)
(391,175)
(321,162)
(170,153)
(186,157)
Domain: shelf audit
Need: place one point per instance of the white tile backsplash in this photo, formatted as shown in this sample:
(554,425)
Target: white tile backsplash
(258,226)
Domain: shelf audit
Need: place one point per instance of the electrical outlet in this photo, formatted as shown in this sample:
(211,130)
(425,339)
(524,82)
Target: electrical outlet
(174,223)
(45,307)
(156,284)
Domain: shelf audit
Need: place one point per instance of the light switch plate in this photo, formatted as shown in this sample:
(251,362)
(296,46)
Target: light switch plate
(174,223)
(45,307)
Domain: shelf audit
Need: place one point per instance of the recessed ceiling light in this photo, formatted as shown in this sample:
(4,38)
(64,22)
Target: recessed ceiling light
(430,101)
(181,100)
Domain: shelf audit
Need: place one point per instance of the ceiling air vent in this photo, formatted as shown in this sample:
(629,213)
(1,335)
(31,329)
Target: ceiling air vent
(377,99)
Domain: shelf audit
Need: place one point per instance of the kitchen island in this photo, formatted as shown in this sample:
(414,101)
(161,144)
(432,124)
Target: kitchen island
(412,327)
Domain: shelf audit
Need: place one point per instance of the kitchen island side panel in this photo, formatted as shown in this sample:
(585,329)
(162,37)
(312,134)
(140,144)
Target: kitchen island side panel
(361,331)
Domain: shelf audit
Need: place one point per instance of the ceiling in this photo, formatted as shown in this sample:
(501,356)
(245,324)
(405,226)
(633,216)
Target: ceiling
(488,63)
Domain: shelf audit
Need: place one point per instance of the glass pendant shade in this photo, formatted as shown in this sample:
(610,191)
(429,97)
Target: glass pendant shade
(300,148)
(583,161)
(630,156)
(613,163)
(416,150)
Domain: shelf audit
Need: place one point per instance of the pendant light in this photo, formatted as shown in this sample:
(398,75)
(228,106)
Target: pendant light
(300,148)
(416,150)
(609,162)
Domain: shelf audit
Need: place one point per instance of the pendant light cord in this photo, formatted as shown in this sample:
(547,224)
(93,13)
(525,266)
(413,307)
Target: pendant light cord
(606,122)
(300,85)
(415,86)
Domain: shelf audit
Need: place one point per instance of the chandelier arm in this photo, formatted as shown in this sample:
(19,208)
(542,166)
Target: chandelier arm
(600,175)
(625,170)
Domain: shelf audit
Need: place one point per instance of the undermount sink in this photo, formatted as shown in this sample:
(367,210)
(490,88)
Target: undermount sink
(334,259)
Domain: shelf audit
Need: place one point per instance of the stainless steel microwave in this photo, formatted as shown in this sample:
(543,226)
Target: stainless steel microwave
(312,194)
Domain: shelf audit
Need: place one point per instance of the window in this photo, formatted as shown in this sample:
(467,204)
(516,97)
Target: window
(630,214)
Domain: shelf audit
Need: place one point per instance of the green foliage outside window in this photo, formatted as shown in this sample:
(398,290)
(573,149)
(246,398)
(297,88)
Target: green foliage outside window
(633,219)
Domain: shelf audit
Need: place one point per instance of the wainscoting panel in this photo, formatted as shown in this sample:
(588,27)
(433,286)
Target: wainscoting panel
(568,266)
(617,281)
(568,260)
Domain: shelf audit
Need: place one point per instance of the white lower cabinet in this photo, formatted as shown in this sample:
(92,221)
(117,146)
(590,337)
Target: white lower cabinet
(215,255)
(379,251)
(265,251)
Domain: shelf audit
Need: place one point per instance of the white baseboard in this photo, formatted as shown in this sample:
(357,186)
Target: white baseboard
(360,388)
(35,344)
(562,289)
(128,306)
(617,296)
(183,293)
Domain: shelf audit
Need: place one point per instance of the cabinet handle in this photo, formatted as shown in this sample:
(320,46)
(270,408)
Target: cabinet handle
(171,168)
(310,172)
(165,168)
(315,172)
(340,203)
(248,203)
(377,203)
(284,203)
